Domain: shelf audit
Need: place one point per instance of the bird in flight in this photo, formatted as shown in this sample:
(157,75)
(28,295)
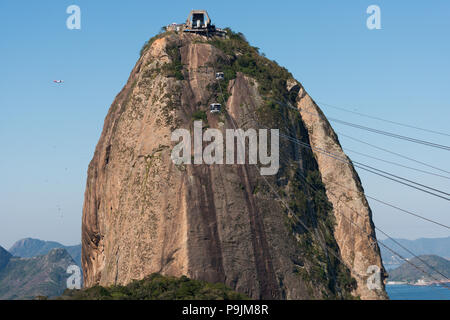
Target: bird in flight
(58,81)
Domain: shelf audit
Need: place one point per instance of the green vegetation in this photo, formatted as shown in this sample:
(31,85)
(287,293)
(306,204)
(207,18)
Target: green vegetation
(157,287)
(162,33)
(220,91)
(174,69)
(148,43)
(346,281)
(309,203)
(242,57)
(172,101)
(199,115)
(322,205)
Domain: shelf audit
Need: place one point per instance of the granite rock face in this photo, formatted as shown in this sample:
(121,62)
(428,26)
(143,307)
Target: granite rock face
(355,231)
(269,237)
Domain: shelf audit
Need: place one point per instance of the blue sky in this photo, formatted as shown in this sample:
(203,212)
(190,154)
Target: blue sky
(48,132)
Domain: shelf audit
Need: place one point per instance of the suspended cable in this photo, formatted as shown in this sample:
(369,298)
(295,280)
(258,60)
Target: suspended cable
(384,233)
(392,152)
(390,205)
(368,169)
(292,139)
(395,163)
(331,252)
(382,119)
(390,134)
(386,133)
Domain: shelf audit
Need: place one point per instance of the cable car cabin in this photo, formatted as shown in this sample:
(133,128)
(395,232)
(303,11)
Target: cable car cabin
(220,76)
(215,107)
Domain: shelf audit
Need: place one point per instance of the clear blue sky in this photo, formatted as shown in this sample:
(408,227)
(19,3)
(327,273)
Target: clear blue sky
(48,132)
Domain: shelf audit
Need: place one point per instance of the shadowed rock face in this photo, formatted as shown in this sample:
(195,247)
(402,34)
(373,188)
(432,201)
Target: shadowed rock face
(354,231)
(220,223)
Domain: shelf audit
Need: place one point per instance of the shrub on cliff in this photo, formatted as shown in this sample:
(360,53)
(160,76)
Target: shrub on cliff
(242,57)
(157,287)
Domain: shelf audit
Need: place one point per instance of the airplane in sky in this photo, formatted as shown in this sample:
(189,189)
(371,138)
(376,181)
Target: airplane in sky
(58,81)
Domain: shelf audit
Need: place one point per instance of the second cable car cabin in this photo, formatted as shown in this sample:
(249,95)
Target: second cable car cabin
(215,107)
(220,76)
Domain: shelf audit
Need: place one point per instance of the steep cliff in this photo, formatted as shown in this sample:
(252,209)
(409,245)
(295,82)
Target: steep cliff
(354,230)
(268,237)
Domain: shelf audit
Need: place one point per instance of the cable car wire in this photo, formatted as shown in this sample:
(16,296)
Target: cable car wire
(386,133)
(287,206)
(382,119)
(391,152)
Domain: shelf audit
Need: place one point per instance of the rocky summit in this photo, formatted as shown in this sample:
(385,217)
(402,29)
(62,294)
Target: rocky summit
(296,234)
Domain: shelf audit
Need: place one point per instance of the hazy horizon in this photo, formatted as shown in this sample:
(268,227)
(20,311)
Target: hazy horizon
(74,244)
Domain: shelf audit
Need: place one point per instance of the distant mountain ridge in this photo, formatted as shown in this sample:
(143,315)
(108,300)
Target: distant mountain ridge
(5,256)
(27,278)
(440,270)
(422,246)
(28,248)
